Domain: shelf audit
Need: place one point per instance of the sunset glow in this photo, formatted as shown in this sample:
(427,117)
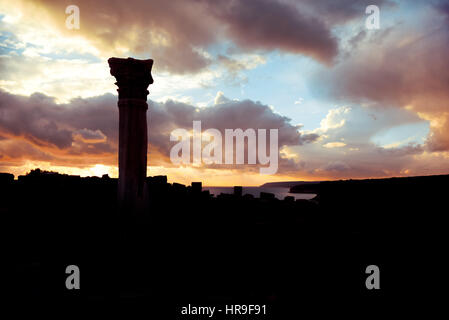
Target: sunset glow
(348,102)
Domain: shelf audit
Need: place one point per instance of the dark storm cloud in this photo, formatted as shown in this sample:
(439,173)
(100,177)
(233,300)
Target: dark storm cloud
(272,25)
(43,123)
(30,118)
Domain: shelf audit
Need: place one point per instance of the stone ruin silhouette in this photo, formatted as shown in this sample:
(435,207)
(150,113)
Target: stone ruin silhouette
(133,78)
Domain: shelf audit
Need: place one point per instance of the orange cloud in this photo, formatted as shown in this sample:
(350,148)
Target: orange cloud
(176,33)
(84,132)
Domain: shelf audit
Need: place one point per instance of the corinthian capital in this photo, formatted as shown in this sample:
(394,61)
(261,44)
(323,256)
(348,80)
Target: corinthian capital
(133,77)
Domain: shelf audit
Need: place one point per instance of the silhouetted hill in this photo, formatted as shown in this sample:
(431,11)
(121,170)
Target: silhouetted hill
(424,183)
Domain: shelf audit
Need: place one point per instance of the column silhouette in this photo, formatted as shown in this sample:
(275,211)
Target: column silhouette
(133,78)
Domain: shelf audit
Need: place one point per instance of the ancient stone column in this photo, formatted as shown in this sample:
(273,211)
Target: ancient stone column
(133,78)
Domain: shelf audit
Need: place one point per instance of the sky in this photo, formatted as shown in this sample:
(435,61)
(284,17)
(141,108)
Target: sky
(348,101)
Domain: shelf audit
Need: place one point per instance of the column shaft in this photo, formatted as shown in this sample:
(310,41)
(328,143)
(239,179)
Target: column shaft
(133,77)
(133,141)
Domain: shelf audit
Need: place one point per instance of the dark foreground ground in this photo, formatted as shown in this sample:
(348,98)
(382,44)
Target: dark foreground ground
(190,248)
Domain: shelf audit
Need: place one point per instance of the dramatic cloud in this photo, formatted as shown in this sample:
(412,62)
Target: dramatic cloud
(86,128)
(356,142)
(225,114)
(375,104)
(406,68)
(178,33)
(83,134)
(257,25)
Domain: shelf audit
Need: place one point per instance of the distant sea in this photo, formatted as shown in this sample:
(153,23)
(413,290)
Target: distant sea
(278,192)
